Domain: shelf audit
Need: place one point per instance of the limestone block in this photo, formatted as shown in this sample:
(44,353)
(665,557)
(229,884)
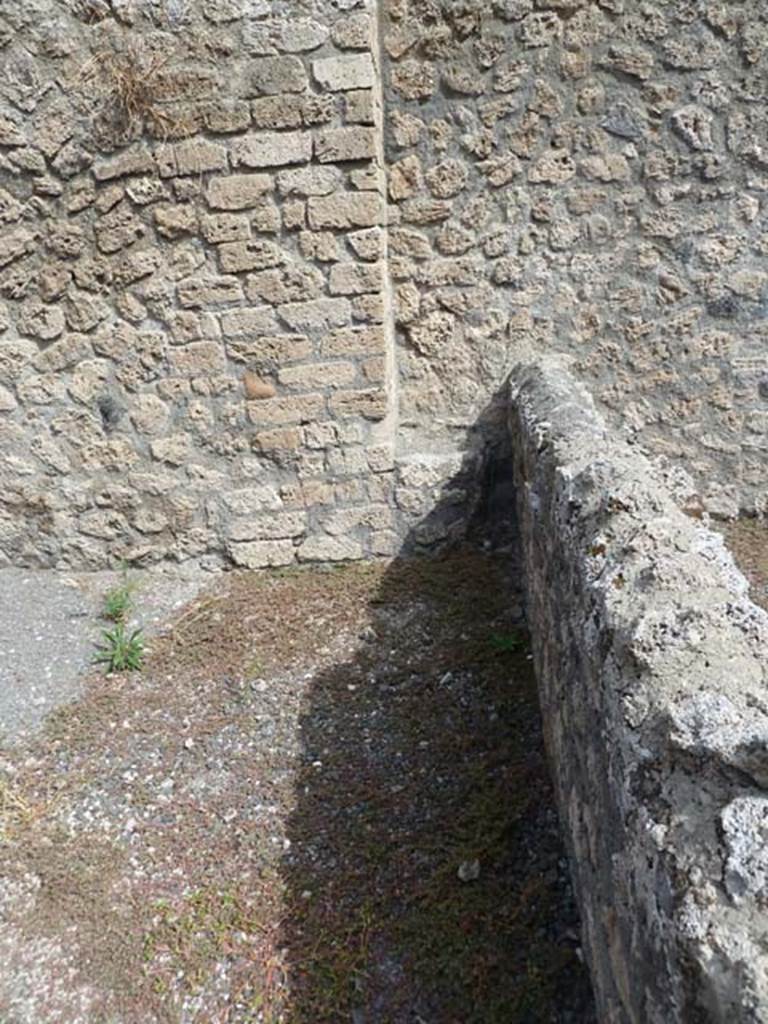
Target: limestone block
(252,500)
(224,227)
(334,145)
(193,156)
(447,179)
(136,160)
(354,341)
(299,35)
(317,314)
(197,359)
(40,320)
(355,278)
(553,168)
(268,349)
(318,375)
(149,414)
(15,244)
(238,191)
(256,254)
(344,210)
(271,149)
(176,449)
(198,292)
(352,32)
(292,283)
(360,107)
(308,181)
(248,322)
(341,73)
(118,229)
(173,221)
(273,75)
(370,403)
(330,549)
(322,246)
(293,409)
(262,554)
(276,526)
(414,79)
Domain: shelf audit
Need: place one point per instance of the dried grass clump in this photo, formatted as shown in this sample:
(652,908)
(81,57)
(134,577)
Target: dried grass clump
(130,88)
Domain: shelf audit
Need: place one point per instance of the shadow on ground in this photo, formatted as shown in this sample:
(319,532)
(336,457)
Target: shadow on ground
(324,801)
(425,879)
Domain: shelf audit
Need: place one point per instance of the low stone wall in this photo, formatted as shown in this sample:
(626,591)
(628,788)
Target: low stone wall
(652,674)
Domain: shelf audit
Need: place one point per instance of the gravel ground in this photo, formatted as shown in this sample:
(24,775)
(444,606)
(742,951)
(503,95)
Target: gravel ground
(324,800)
(49,623)
(748,541)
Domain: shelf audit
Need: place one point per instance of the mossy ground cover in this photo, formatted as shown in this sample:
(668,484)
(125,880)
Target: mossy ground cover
(271,821)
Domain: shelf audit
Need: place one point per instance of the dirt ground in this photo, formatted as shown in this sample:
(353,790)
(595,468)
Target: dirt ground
(324,800)
(748,541)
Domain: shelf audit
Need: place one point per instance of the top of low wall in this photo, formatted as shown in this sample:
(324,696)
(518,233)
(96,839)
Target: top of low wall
(652,668)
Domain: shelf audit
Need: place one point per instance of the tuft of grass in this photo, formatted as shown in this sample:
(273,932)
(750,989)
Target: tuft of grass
(128,86)
(118,602)
(120,650)
(507,643)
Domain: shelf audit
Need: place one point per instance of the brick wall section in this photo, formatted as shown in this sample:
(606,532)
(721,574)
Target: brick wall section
(650,660)
(193,313)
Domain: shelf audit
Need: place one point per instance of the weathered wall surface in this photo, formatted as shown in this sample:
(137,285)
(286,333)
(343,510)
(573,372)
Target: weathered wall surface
(586,177)
(193,313)
(652,673)
(223,336)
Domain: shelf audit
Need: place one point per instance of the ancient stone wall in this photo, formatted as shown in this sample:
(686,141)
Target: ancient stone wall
(589,177)
(652,676)
(223,336)
(193,313)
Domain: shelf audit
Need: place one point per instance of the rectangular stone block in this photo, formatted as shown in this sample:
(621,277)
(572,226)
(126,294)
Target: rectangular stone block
(356,278)
(344,521)
(341,73)
(135,160)
(354,341)
(318,314)
(295,282)
(277,526)
(195,292)
(251,500)
(330,549)
(262,554)
(193,156)
(359,107)
(318,375)
(277,349)
(272,149)
(238,191)
(277,112)
(224,227)
(336,145)
(371,403)
(256,254)
(273,75)
(308,181)
(198,359)
(248,322)
(292,409)
(344,210)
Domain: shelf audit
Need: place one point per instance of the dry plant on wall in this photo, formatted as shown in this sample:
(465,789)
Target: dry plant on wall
(130,88)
